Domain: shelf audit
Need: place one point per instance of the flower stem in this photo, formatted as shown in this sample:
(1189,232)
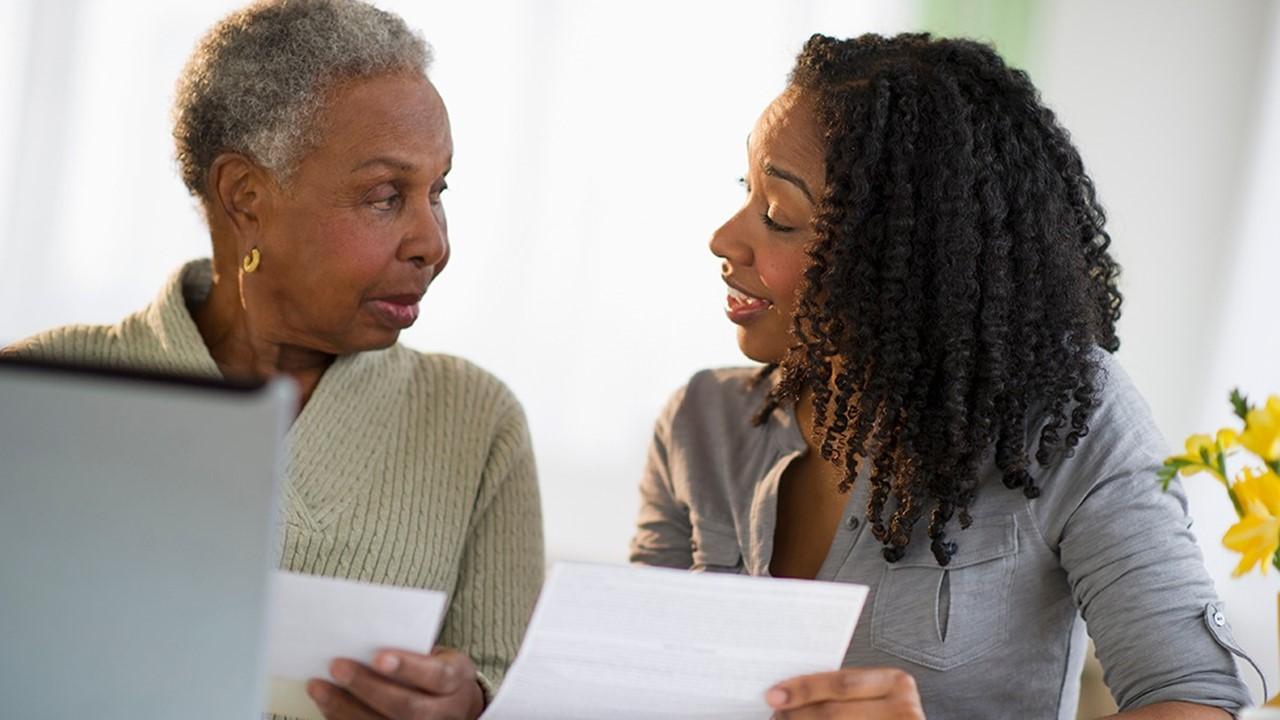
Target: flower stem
(1235,503)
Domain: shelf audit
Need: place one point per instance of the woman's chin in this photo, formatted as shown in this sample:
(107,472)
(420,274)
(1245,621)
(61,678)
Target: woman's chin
(379,331)
(369,339)
(765,350)
(381,340)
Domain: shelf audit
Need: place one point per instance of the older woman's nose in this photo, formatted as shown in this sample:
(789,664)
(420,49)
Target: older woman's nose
(427,240)
(730,242)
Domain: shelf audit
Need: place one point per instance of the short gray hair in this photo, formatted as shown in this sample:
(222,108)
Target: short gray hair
(258,80)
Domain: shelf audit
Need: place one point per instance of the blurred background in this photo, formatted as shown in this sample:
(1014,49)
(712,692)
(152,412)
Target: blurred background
(597,148)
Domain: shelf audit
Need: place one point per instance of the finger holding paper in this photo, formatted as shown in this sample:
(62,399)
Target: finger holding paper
(849,693)
(401,685)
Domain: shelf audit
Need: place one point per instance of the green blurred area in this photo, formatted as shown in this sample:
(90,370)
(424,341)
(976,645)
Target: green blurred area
(1006,24)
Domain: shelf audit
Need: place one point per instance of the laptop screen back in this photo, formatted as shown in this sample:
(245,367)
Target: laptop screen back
(137,535)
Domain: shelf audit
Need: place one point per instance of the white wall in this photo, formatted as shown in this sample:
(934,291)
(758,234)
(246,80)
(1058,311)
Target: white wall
(96,216)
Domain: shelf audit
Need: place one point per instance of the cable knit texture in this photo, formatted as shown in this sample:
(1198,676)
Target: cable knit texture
(404,468)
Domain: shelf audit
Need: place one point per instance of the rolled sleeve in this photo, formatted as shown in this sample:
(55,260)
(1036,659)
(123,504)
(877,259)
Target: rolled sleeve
(1133,565)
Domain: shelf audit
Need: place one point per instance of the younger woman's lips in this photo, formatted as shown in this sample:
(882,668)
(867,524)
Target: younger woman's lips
(742,307)
(397,312)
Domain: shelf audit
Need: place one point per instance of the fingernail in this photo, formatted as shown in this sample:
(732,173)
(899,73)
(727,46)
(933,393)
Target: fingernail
(342,672)
(388,662)
(318,692)
(776,697)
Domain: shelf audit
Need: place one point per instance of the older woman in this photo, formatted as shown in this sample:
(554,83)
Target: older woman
(318,149)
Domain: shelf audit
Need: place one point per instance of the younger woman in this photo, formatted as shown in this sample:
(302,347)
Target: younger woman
(922,268)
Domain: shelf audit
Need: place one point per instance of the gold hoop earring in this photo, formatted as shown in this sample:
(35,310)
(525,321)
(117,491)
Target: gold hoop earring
(250,262)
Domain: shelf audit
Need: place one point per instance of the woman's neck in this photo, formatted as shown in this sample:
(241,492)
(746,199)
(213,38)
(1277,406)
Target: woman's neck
(241,353)
(805,419)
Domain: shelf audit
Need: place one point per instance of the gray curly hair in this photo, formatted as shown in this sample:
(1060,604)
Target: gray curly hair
(258,80)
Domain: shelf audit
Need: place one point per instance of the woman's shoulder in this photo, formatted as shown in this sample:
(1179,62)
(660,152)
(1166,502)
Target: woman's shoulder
(1114,461)
(1121,437)
(729,387)
(717,399)
(159,336)
(79,344)
(1120,416)
(1117,418)
(459,384)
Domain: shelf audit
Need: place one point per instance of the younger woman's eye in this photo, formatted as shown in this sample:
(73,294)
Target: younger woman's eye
(773,224)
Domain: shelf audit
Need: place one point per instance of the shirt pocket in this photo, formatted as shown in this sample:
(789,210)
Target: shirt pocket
(714,547)
(944,617)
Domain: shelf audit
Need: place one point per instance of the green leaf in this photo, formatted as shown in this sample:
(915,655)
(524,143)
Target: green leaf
(1204,455)
(1275,559)
(1240,404)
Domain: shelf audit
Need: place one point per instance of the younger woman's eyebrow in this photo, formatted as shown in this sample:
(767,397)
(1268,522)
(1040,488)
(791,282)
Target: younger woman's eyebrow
(781,174)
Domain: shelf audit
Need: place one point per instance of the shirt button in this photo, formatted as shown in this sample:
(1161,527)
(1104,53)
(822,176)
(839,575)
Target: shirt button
(852,522)
(1219,619)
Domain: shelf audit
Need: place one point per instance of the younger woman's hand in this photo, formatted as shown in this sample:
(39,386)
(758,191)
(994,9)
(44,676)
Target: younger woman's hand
(848,693)
(401,685)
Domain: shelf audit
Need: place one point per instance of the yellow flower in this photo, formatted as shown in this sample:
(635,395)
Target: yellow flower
(1192,461)
(1228,438)
(1257,535)
(1261,435)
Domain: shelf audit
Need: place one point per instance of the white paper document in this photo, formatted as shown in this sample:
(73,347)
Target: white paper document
(315,620)
(633,643)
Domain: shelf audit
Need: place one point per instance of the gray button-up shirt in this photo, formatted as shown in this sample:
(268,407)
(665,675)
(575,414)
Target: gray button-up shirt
(1000,631)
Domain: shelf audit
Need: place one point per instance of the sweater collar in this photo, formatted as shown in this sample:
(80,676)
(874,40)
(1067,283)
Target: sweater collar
(346,426)
(169,318)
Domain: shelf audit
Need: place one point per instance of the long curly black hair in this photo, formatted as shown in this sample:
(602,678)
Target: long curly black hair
(959,283)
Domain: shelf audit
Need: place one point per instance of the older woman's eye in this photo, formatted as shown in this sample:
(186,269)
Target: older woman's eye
(386,203)
(435,193)
(745,185)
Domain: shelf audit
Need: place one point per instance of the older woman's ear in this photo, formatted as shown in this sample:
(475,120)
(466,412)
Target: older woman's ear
(239,193)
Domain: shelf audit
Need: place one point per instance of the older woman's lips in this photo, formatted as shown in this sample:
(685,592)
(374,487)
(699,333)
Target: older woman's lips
(742,308)
(399,312)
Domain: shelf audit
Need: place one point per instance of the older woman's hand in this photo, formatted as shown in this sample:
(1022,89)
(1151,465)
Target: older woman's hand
(848,693)
(401,685)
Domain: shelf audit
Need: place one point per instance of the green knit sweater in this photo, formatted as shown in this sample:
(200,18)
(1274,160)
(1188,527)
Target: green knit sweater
(404,468)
